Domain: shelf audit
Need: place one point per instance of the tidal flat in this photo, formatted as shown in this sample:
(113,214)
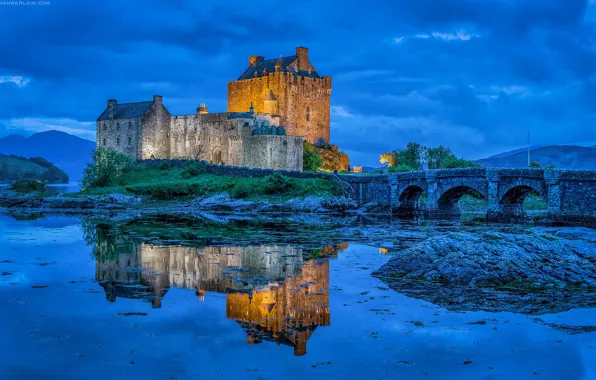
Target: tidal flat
(293,297)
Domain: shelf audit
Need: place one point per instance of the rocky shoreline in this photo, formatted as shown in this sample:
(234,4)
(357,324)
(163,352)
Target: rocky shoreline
(219,202)
(536,272)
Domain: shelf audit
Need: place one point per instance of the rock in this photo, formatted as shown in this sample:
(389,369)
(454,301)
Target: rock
(223,201)
(339,204)
(120,199)
(307,204)
(494,271)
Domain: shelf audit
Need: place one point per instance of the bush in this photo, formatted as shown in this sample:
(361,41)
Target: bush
(402,168)
(193,169)
(311,161)
(106,167)
(459,163)
(535,164)
(28,186)
(241,190)
(165,165)
(277,184)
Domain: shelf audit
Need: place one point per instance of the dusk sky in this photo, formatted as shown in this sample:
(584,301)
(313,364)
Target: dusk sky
(470,74)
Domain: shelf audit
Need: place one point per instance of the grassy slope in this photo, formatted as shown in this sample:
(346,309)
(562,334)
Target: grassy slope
(21,166)
(169,183)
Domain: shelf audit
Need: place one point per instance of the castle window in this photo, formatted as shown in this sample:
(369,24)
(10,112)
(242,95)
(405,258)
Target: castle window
(129,141)
(307,113)
(105,141)
(105,126)
(118,126)
(129,124)
(117,140)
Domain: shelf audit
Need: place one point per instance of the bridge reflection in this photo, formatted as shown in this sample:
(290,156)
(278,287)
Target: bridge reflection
(271,291)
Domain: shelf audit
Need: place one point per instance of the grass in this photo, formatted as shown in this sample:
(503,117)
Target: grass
(174,182)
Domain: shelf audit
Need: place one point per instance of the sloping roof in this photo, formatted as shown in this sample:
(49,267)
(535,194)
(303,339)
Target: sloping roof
(269,64)
(127,110)
(270,96)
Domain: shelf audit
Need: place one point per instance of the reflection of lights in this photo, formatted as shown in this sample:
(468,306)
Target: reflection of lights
(383,250)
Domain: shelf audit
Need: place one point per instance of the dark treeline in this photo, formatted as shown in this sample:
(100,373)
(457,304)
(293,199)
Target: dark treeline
(15,168)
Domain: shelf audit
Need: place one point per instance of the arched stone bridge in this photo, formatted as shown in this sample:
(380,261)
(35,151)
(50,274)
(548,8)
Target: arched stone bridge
(570,194)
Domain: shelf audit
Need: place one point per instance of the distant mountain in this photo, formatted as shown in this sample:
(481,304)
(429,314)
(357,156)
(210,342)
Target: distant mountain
(562,156)
(512,152)
(69,153)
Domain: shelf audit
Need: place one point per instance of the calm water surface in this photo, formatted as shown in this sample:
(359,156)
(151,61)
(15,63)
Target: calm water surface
(80,304)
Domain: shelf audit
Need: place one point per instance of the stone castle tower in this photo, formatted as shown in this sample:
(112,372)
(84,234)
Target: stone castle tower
(289,87)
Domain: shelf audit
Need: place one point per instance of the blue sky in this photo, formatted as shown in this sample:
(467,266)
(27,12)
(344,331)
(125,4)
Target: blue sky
(470,74)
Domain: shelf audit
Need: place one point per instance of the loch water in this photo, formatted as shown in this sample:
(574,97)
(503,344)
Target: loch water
(80,302)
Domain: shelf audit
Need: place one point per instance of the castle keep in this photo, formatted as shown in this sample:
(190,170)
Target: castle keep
(272,108)
(289,87)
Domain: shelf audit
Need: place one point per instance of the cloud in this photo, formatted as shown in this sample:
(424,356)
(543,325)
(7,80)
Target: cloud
(480,70)
(17,80)
(85,130)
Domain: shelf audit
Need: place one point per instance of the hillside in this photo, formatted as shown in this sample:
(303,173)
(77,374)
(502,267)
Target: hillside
(69,153)
(14,168)
(562,156)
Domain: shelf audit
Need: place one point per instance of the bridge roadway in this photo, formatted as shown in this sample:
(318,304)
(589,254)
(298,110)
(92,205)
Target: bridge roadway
(570,194)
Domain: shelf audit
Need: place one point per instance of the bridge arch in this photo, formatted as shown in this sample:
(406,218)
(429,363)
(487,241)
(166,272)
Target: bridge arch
(409,198)
(449,198)
(516,193)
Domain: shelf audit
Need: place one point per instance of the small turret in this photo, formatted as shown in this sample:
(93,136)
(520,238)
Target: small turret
(202,109)
(270,103)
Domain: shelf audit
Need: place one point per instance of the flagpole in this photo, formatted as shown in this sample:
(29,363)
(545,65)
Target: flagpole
(529,147)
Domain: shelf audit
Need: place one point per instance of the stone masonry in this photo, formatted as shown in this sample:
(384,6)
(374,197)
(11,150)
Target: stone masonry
(289,87)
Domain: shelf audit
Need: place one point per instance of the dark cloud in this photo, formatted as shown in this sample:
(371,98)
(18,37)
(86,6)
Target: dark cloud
(472,74)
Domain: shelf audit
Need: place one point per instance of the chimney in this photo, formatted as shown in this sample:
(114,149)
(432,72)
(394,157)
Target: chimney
(111,108)
(254,60)
(157,99)
(302,54)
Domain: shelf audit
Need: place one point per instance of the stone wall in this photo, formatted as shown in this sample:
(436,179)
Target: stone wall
(275,152)
(304,103)
(155,131)
(122,135)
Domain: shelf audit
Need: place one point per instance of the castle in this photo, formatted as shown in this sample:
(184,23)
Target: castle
(272,107)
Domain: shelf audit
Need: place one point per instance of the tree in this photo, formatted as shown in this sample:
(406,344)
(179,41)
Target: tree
(107,165)
(4,176)
(389,158)
(535,164)
(436,157)
(412,156)
(311,161)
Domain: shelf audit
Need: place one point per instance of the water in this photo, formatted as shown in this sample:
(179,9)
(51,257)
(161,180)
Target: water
(59,188)
(81,302)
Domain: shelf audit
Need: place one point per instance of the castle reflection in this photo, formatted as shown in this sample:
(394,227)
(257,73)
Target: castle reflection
(271,291)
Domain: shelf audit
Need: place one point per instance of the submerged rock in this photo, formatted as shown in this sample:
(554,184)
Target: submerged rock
(530,273)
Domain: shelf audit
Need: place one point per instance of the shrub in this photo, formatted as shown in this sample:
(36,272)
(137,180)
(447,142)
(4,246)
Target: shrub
(535,164)
(28,186)
(311,161)
(402,168)
(193,169)
(457,163)
(106,167)
(277,184)
(165,165)
(241,190)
